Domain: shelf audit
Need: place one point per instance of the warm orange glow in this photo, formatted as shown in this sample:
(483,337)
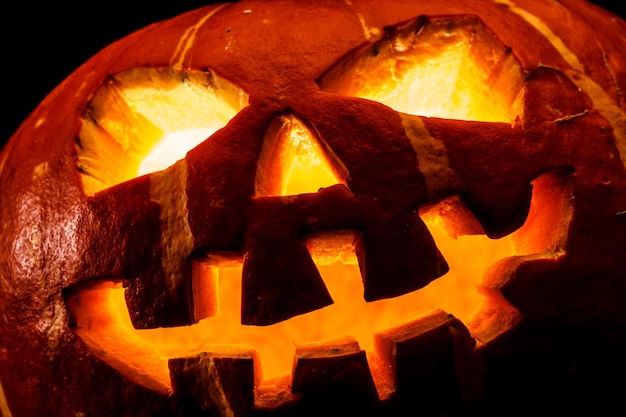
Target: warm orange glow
(145,119)
(293,161)
(103,322)
(108,329)
(459,70)
(450,67)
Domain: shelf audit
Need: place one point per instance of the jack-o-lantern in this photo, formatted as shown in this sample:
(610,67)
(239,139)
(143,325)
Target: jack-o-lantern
(284,207)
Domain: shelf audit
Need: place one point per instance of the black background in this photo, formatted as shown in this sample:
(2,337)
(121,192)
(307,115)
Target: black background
(43,44)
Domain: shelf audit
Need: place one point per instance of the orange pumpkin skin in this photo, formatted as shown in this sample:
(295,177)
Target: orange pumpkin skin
(570,326)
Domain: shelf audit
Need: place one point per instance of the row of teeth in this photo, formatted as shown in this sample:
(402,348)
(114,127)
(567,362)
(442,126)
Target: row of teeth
(432,357)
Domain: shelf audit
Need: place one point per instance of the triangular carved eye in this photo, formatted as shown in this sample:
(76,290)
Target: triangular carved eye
(295,161)
(143,120)
(449,67)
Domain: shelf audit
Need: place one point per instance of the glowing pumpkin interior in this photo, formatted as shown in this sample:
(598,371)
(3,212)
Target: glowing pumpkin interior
(145,119)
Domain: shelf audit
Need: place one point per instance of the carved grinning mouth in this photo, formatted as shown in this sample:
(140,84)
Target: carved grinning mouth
(281,357)
(351,328)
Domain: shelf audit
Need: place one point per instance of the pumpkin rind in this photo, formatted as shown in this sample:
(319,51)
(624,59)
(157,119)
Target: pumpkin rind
(571,327)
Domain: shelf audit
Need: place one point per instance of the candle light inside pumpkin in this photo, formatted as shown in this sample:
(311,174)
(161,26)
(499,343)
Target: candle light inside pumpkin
(145,119)
(424,108)
(445,77)
(106,327)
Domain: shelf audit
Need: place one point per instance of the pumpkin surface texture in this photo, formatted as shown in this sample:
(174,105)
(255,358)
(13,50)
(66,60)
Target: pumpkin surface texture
(287,208)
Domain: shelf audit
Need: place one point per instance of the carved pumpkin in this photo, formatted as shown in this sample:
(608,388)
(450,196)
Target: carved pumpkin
(279,207)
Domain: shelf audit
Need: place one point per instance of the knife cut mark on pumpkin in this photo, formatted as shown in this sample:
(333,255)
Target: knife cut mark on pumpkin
(606,105)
